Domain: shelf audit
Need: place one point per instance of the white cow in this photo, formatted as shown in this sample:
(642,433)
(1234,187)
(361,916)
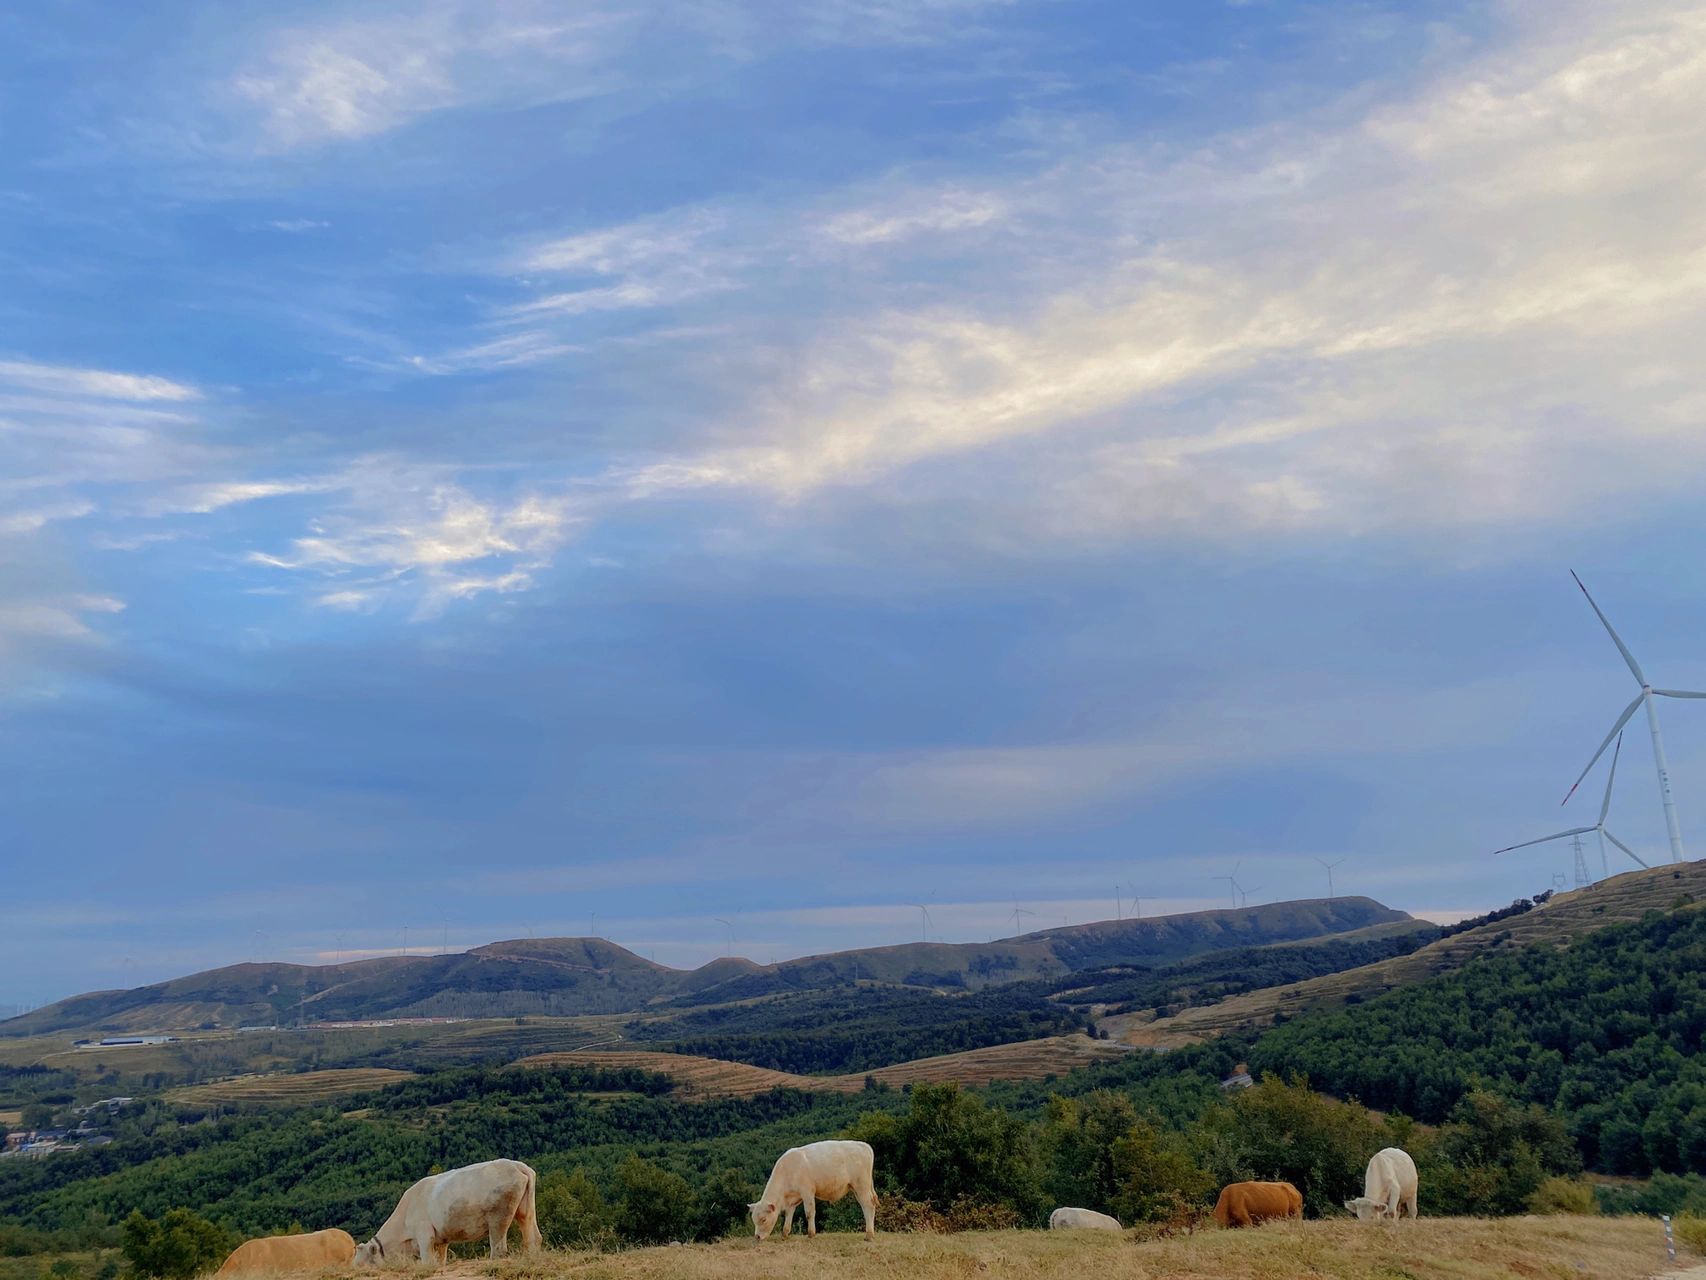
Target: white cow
(1064,1219)
(1388,1187)
(824,1171)
(461,1204)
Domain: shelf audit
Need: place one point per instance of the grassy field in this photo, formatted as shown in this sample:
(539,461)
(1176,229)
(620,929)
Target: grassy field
(1432,1249)
(1620,899)
(716,1078)
(303,1087)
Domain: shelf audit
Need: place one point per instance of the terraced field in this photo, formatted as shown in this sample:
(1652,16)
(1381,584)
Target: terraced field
(716,1078)
(302,1087)
(1618,900)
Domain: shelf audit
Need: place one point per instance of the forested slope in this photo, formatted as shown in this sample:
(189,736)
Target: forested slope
(1609,1031)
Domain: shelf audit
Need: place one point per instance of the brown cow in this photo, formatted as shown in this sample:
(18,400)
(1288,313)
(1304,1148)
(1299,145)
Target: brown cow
(1244,1204)
(312,1252)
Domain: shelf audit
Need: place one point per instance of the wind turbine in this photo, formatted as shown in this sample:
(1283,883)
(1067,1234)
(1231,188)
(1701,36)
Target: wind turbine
(924,921)
(1644,698)
(1244,894)
(1017,912)
(1604,808)
(1119,906)
(1329,867)
(1231,883)
(731,930)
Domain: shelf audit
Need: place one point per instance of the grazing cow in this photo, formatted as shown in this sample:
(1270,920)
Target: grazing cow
(462,1204)
(1388,1188)
(824,1171)
(314,1251)
(1244,1204)
(1064,1219)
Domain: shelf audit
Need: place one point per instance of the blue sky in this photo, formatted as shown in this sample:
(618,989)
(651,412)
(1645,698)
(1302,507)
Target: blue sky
(465,467)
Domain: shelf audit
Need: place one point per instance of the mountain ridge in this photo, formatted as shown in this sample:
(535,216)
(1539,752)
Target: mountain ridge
(573,976)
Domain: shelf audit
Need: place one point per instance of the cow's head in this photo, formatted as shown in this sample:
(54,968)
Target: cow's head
(763,1217)
(369,1253)
(1365,1209)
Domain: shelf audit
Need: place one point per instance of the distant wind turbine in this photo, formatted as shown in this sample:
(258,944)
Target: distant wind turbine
(1329,867)
(924,921)
(731,930)
(1231,882)
(1017,912)
(1604,808)
(1644,698)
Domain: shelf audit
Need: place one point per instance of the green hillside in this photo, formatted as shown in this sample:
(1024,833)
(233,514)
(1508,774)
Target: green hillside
(1608,1032)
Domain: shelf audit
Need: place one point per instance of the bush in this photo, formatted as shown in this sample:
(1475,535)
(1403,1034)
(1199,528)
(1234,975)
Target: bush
(1493,1156)
(721,1203)
(179,1245)
(1563,1195)
(1282,1131)
(1691,1231)
(573,1213)
(656,1206)
(951,1147)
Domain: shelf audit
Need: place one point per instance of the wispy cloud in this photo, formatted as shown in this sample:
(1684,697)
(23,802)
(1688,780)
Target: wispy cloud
(350,80)
(101,384)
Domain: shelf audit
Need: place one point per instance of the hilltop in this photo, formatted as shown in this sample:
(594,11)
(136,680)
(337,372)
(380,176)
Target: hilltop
(586,976)
(1559,920)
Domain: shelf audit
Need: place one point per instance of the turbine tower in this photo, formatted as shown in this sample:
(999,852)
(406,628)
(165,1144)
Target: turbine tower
(1644,698)
(1231,883)
(1017,912)
(923,921)
(1604,808)
(1329,868)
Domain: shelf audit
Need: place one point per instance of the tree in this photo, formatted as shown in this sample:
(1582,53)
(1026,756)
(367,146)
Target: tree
(1493,1156)
(721,1203)
(179,1245)
(656,1206)
(1283,1131)
(950,1147)
(573,1213)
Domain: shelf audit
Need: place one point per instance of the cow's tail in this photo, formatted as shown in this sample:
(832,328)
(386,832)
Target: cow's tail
(531,1240)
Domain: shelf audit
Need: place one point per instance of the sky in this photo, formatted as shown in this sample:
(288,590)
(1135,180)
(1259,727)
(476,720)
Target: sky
(719,474)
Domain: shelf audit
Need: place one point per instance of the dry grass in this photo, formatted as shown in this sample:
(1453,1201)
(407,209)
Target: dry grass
(307,1086)
(716,1078)
(1618,900)
(1553,1248)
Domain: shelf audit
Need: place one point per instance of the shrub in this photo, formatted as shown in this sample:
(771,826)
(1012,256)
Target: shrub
(720,1204)
(1691,1231)
(573,1213)
(656,1206)
(177,1246)
(1563,1195)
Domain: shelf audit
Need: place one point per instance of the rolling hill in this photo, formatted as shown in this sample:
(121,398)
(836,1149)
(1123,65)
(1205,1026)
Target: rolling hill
(1566,916)
(579,976)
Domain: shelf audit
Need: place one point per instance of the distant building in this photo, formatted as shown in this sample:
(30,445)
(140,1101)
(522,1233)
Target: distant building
(115,1042)
(1239,1079)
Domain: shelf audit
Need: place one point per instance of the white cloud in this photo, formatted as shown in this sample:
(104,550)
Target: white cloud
(101,384)
(402,527)
(1465,307)
(354,79)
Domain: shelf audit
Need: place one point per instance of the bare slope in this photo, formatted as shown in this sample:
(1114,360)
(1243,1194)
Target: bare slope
(1568,915)
(717,1078)
(579,976)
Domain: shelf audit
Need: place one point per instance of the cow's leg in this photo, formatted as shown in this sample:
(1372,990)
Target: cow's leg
(497,1234)
(1410,1203)
(808,1202)
(868,1202)
(787,1218)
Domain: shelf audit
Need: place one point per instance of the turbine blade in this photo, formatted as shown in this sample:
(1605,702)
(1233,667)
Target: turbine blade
(1615,730)
(1679,693)
(1574,831)
(1634,667)
(1605,805)
(1626,849)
